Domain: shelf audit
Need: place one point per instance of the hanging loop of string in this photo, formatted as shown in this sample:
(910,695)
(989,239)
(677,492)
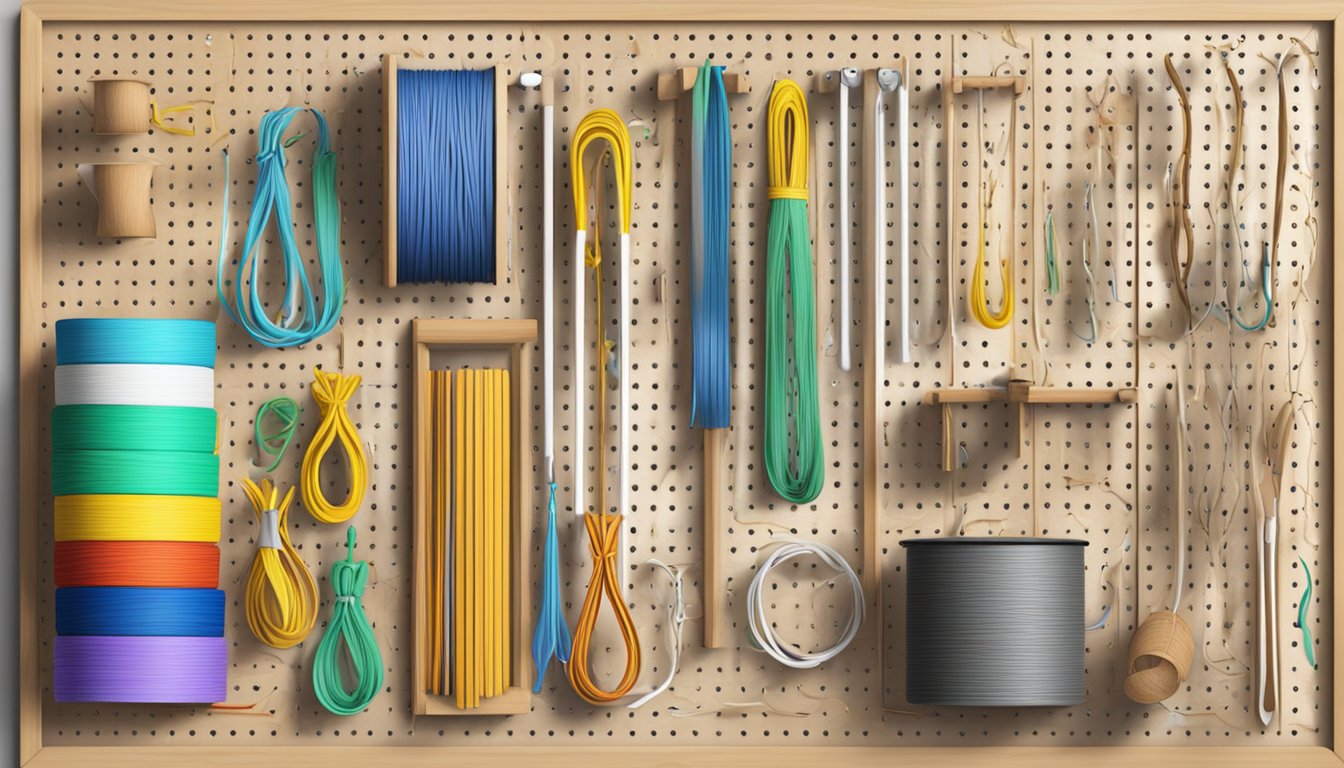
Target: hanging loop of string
(711,191)
(445,176)
(332,391)
(281,599)
(676,620)
(300,320)
(350,626)
(603,543)
(793,448)
(604,528)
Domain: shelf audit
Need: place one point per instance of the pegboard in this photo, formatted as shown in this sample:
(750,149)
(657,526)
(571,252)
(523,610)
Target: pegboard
(1102,474)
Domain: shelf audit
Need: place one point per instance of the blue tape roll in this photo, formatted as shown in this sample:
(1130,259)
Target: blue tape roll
(139,611)
(135,340)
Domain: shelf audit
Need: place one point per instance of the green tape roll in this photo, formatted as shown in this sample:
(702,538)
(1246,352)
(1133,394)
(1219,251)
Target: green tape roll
(151,473)
(133,428)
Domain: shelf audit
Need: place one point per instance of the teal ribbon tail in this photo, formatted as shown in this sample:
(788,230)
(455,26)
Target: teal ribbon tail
(551,638)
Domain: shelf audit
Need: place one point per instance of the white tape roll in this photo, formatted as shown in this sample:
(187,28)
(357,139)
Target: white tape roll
(185,385)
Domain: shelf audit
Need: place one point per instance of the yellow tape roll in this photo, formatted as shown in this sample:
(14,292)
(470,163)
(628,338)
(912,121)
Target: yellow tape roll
(137,518)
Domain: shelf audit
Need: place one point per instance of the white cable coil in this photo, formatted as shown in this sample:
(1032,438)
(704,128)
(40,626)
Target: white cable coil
(125,384)
(762,633)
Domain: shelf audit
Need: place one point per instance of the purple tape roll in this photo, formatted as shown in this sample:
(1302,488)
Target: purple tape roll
(165,670)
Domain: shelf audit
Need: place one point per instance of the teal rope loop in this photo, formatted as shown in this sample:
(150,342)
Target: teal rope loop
(1303,605)
(348,623)
(551,638)
(1266,291)
(299,319)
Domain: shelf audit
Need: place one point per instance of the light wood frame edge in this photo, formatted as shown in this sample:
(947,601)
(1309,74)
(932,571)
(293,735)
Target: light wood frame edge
(32,17)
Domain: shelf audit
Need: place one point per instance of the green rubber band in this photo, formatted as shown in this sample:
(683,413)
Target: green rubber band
(148,473)
(133,428)
(274,443)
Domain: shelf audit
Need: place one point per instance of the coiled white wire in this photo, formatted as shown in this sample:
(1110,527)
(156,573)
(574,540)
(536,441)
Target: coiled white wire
(762,634)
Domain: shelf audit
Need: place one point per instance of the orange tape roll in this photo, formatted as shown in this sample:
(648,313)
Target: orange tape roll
(137,564)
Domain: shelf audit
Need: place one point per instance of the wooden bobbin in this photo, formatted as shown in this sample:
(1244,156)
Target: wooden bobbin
(124,207)
(120,106)
(1159,658)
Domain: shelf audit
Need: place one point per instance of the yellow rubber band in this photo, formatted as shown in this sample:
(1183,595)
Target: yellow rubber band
(156,116)
(281,601)
(137,518)
(332,391)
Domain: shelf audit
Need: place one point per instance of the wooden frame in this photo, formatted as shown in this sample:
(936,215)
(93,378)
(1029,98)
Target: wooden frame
(35,14)
(390,67)
(517,338)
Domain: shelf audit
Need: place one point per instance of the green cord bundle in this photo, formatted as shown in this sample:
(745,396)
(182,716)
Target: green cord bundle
(285,412)
(348,578)
(793,456)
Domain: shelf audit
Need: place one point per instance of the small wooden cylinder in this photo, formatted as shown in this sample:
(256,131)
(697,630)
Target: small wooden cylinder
(1160,654)
(124,206)
(120,106)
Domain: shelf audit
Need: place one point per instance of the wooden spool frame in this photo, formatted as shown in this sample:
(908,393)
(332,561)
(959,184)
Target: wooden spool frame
(390,68)
(516,337)
(31,261)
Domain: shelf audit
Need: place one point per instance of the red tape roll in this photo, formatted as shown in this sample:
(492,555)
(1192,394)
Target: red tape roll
(186,564)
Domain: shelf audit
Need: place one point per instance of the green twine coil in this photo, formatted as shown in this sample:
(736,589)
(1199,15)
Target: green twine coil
(348,624)
(133,428)
(146,473)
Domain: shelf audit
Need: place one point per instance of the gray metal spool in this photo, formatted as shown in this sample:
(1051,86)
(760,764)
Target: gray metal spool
(994,622)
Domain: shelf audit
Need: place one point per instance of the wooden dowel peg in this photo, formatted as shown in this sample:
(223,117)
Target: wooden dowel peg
(672,84)
(989,83)
(713,589)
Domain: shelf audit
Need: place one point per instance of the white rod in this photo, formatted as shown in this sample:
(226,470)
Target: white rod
(580,374)
(548,286)
(845,280)
(903,212)
(623,493)
(879,277)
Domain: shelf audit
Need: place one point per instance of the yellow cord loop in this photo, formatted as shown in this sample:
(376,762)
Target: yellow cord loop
(282,597)
(788,130)
(602,125)
(332,391)
(604,530)
(604,542)
(156,116)
(979,299)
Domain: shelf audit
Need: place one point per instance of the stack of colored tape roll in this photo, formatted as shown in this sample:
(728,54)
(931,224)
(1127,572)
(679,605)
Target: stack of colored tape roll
(135,473)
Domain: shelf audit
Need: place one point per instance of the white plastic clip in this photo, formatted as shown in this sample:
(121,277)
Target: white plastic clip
(270,530)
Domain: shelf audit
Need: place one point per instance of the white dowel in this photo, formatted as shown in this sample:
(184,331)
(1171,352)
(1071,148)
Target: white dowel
(580,373)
